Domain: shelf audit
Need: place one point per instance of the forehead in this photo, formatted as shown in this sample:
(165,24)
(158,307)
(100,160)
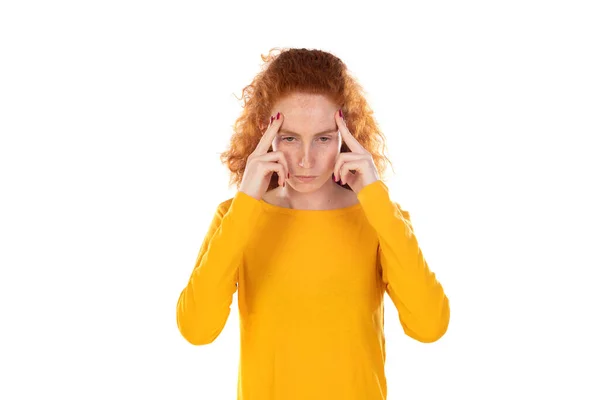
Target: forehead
(306,113)
(304,102)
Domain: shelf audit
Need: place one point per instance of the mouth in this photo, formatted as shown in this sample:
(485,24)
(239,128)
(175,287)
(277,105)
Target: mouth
(305,178)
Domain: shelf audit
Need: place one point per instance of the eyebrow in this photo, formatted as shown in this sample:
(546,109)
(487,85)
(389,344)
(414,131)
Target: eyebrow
(334,130)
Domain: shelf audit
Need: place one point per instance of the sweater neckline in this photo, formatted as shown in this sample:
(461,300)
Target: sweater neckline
(309,213)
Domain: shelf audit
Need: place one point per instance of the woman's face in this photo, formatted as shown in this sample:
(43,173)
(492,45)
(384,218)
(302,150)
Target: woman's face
(309,138)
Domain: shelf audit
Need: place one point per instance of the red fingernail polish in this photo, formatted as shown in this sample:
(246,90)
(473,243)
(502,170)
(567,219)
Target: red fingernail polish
(288,175)
(271,120)
(341,114)
(278,115)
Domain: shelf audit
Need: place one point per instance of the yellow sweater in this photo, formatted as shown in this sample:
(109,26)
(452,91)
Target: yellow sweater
(310,294)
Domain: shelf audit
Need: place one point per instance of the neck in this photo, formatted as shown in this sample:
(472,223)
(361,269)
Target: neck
(324,198)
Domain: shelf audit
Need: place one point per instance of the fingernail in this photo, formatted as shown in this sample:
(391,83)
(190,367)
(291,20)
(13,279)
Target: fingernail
(341,114)
(271,121)
(288,175)
(278,115)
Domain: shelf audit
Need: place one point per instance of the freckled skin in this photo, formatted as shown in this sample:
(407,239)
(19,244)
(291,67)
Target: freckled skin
(306,115)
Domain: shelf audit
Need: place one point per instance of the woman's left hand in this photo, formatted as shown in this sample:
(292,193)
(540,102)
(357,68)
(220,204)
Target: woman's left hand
(358,160)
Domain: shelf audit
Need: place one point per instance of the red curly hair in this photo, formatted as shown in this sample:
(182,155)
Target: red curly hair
(307,71)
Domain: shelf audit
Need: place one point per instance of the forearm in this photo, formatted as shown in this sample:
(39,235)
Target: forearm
(205,303)
(420,299)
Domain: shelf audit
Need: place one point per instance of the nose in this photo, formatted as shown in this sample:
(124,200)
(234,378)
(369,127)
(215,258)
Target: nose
(307,157)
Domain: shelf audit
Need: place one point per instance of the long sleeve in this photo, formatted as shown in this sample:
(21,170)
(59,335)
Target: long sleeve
(422,305)
(205,303)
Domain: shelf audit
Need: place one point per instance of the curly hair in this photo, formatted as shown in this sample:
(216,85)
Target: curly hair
(307,71)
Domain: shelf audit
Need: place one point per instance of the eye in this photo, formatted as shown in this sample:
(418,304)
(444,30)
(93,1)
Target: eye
(285,139)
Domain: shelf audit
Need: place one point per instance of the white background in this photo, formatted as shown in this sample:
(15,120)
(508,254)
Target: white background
(112,116)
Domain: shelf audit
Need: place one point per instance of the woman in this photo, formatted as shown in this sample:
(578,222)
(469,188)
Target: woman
(311,241)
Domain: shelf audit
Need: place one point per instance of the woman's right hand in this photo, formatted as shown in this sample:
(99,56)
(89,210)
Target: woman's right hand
(261,163)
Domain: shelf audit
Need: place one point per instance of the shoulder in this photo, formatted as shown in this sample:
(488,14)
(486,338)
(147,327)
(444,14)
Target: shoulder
(224,206)
(221,209)
(404,213)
